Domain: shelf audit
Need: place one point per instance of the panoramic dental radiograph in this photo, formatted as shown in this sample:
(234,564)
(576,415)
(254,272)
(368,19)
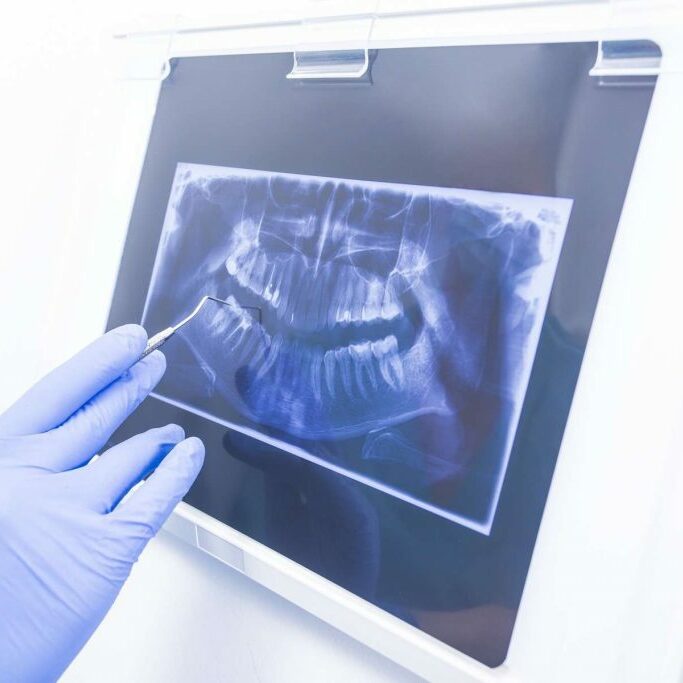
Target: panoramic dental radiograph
(383,331)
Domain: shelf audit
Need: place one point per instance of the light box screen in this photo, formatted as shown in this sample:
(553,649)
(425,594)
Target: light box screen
(411,264)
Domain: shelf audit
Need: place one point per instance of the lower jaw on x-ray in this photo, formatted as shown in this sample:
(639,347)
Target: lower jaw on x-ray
(383,331)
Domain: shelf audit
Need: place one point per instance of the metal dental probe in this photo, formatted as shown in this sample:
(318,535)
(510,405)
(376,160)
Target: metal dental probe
(160,338)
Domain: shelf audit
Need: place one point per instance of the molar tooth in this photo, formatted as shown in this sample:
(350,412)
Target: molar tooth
(361,355)
(373,300)
(385,351)
(329,363)
(343,359)
(380,347)
(390,307)
(396,368)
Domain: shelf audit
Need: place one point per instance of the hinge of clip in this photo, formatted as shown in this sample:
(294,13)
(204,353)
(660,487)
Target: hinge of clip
(627,62)
(323,27)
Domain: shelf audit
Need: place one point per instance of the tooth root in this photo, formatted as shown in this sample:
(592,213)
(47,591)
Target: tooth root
(344,364)
(270,358)
(372,373)
(387,374)
(259,354)
(252,347)
(316,378)
(329,363)
(362,365)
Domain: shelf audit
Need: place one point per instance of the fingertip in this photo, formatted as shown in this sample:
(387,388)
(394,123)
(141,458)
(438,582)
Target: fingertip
(193,447)
(195,444)
(173,432)
(133,336)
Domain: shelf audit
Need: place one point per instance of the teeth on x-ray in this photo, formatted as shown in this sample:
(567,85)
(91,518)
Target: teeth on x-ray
(379,304)
(336,294)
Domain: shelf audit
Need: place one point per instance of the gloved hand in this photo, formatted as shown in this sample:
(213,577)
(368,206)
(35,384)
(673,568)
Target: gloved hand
(67,539)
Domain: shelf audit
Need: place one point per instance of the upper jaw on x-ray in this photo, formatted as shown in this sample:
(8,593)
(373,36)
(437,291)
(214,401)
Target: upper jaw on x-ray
(378,304)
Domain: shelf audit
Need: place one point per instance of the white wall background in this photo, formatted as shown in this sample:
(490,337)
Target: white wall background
(68,143)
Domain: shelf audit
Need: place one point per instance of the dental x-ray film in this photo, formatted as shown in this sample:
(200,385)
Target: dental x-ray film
(397,328)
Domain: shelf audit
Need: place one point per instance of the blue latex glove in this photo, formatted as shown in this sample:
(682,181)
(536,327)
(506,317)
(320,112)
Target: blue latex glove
(67,539)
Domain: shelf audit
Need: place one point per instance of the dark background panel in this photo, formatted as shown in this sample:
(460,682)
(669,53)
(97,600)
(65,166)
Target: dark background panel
(516,118)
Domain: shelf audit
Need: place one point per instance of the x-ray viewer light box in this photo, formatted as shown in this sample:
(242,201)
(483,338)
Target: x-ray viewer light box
(398,323)
(418,311)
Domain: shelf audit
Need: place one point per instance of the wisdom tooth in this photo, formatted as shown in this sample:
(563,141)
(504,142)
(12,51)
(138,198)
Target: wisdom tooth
(396,368)
(390,307)
(386,352)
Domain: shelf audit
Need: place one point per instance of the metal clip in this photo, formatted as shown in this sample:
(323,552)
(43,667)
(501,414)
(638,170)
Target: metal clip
(627,63)
(352,29)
